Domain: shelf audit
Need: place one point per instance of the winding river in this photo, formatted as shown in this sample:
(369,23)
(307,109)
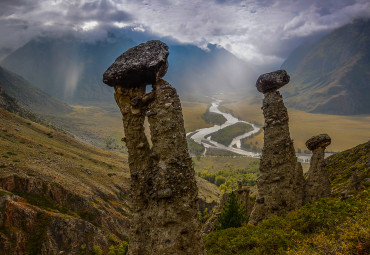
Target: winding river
(199,136)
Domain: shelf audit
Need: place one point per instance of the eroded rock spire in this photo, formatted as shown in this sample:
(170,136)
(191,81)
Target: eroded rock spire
(164,191)
(280,184)
(317,181)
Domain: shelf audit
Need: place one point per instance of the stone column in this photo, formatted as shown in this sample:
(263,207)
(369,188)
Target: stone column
(280,184)
(164,192)
(317,181)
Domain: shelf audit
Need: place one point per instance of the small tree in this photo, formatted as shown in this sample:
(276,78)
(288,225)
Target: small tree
(233,214)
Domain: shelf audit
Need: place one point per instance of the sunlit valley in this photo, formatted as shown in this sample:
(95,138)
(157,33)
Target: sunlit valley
(265,180)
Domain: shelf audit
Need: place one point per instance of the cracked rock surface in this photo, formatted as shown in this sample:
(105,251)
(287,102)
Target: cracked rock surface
(317,181)
(280,184)
(138,65)
(270,82)
(164,192)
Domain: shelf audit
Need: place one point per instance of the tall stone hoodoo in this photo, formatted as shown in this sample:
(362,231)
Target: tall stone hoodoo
(317,181)
(164,192)
(280,184)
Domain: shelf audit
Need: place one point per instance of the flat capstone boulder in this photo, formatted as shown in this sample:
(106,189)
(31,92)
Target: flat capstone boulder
(270,82)
(317,141)
(140,65)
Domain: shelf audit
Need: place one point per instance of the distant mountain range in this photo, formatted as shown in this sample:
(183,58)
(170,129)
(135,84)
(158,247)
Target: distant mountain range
(332,75)
(72,70)
(29,97)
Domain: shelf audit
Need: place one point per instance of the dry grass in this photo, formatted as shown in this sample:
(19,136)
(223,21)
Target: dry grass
(27,148)
(345,131)
(193,112)
(214,164)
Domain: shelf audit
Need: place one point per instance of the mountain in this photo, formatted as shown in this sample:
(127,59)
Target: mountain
(66,67)
(61,196)
(29,97)
(332,75)
(193,70)
(72,69)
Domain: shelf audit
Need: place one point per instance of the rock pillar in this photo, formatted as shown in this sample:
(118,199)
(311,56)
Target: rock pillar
(164,192)
(280,184)
(317,181)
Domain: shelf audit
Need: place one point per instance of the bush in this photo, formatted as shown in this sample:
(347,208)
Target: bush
(328,226)
(120,249)
(96,250)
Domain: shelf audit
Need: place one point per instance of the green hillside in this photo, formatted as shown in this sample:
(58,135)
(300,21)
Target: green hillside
(332,75)
(333,225)
(61,194)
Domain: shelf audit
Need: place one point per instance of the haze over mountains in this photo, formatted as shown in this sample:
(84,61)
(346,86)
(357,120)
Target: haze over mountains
(71,69)
(29,97)
(332,75)
(329,75)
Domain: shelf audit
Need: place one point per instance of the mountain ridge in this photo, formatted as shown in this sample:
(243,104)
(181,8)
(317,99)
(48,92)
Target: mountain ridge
(71,69)
(29,97)
(331,76)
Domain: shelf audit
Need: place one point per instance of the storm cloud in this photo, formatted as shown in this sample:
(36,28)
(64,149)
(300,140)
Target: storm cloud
(260,31)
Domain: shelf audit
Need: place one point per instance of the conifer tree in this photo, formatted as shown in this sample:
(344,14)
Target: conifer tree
(233,214)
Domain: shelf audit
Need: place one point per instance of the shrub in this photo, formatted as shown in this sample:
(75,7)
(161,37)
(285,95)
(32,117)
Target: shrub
(120,249)
(96,250)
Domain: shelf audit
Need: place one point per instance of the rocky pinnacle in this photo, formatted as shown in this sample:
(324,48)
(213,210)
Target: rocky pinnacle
(317,181)
(164,192)
(280,184)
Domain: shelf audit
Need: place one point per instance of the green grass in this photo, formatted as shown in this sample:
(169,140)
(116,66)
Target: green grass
(343,164)
(323,227)
(213,118)
(42,202)
(227,177)
(226,135)
(194,148)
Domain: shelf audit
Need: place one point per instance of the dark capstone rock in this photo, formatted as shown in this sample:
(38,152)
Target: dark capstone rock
(272,81)
(317,141)
(139,65)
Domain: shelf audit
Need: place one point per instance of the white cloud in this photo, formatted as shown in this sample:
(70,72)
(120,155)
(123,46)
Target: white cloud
(261,31)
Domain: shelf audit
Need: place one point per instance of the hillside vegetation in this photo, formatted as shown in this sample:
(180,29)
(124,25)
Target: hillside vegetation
(329,226)
(225,136)
(63,184)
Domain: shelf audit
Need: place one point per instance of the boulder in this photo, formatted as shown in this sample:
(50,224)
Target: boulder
(315,142)
(140,65)
(269,82)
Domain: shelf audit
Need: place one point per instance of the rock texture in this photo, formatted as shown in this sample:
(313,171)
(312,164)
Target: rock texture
(269,82)
(51,219)
(27,229)
(142,64)
(280,184)
(164,192)
(317,181)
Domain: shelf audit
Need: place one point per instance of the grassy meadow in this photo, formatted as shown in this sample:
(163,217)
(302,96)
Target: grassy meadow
(30,149)
(345,131)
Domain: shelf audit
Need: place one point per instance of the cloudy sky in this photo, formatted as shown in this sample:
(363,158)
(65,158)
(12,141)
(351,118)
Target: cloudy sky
(261,31)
